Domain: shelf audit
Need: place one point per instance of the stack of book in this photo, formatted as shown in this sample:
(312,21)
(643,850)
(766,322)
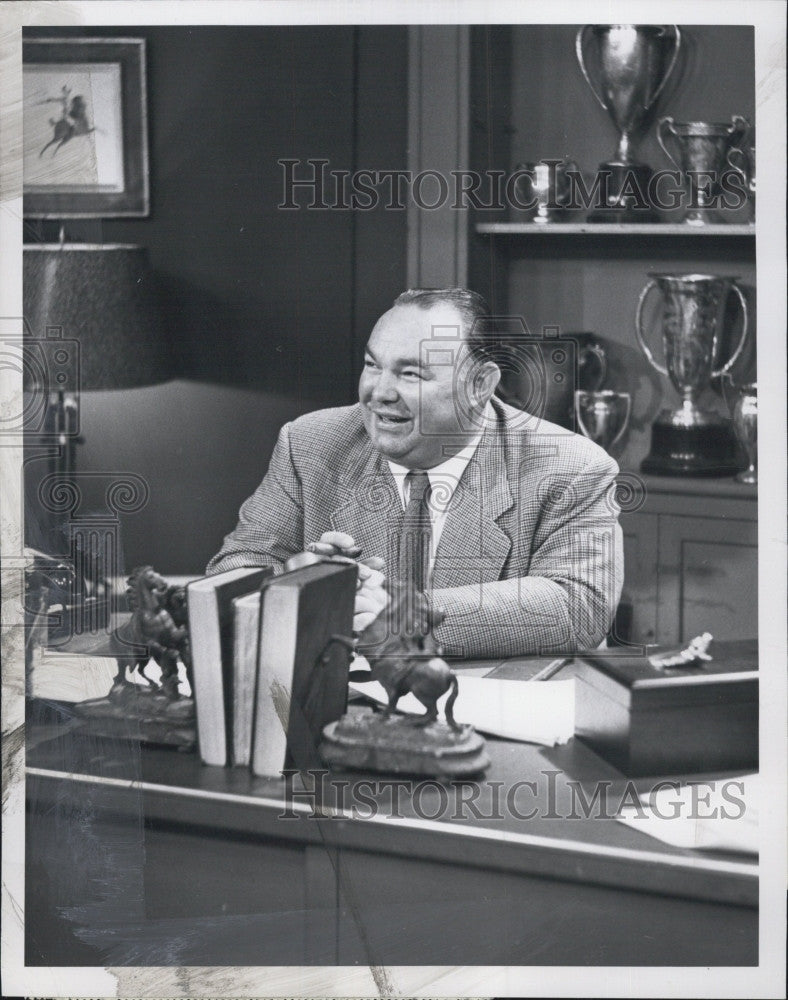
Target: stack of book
(267,673)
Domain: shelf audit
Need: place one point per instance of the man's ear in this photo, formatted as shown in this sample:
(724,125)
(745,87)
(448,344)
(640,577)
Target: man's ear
(485,381)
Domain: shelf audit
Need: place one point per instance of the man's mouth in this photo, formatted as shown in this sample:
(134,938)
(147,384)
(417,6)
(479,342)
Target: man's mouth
(390,419)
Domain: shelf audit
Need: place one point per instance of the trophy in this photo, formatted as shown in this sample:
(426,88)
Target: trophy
(743,162)
(632,63)
(745,424)
(603,415)
(545,186)
(691,441)
(702,151)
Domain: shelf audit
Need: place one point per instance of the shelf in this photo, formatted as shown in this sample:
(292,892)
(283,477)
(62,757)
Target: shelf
(723,486)
(612,229)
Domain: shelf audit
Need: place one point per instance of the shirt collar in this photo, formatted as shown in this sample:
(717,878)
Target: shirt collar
(444,478)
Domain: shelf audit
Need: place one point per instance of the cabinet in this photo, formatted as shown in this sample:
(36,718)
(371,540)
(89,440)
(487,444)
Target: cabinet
(691,548)
(691,562)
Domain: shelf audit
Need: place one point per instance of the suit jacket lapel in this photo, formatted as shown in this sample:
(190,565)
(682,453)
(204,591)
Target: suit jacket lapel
(369,508)
(473,548)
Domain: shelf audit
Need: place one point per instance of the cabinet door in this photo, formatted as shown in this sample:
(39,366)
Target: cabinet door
(639,595)
(708,578)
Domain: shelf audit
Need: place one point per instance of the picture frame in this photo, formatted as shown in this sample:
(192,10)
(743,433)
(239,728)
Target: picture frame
(85,142)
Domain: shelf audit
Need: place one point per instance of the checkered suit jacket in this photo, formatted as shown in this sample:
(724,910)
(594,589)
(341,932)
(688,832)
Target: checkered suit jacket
(530,559)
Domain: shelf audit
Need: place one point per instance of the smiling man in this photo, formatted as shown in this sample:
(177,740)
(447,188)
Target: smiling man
(507,522)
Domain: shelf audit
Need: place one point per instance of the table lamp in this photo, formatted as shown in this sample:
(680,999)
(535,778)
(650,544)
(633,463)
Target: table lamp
(91,322)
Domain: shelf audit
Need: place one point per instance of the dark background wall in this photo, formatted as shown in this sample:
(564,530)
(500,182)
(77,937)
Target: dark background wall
(266,310)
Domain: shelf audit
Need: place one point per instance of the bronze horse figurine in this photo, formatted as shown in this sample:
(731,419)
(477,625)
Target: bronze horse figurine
(157,622)
(404,657)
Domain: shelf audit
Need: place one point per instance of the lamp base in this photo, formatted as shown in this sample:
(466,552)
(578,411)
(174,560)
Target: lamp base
(706,449)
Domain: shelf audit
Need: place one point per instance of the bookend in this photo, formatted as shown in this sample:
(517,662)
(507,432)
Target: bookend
(157,713)
(404,657)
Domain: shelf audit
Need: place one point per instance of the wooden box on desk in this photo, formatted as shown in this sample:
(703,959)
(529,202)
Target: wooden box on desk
(649,721)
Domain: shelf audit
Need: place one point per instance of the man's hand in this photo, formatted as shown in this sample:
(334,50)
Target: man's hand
(371,597)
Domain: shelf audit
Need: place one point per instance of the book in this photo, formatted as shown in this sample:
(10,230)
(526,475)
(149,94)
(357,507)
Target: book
(541,713)
(246,644)
(302,676)
(209,603)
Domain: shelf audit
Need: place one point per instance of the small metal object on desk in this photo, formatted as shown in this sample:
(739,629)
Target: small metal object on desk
(694,655)
(157,713)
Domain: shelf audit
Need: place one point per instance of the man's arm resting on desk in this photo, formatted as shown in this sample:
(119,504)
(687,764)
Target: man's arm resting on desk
(567,600)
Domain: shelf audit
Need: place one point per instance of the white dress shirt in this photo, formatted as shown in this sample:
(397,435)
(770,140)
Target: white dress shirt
(444,479)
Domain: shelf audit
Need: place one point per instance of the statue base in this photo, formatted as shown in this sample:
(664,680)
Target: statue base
(399,744)
(706,449)
(130,711)
(627,195)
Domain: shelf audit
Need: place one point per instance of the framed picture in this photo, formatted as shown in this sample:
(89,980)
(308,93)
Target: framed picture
(85,128)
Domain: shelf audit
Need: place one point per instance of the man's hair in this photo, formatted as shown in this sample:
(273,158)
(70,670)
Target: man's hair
(471,306)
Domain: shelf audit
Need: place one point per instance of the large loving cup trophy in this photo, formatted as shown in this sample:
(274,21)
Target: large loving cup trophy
(689,440)
(702,150)
(632,64)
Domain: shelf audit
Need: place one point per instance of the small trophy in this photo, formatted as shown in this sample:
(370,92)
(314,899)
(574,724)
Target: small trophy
(603,415)
(691,441)
(632,63)
(702,152)
(745,424)
(743,162)
(545,187)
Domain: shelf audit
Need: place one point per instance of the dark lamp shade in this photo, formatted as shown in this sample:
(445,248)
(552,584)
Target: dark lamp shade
(102,297)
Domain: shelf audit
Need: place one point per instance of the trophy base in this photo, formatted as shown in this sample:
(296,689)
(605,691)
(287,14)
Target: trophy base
(705,450)
(626,195)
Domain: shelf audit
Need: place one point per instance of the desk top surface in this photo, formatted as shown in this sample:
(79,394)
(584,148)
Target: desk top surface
(526,815)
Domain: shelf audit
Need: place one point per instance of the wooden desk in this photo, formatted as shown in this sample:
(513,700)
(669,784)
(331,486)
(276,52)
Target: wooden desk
(144,856)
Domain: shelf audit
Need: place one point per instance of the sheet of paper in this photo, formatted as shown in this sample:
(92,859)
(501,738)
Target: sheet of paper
(542,712)
(708,816)
(73,677)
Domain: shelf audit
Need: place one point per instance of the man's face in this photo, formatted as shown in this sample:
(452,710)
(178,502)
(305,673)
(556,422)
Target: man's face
(408,387)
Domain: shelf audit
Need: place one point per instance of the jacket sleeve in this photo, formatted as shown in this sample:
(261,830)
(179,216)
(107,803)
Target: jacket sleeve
(271,522)
(568,599)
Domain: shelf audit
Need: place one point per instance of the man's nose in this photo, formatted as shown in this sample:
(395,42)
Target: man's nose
(385,387)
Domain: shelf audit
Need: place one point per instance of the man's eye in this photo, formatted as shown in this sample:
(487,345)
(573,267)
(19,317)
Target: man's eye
(368,363)
(411,375)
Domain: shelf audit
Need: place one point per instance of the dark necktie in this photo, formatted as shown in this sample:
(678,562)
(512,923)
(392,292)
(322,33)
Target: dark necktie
(415,536)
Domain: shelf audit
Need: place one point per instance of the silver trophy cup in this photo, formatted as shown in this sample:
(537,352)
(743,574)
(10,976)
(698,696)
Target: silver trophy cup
(603,415)
(627,66)
(689,440)
(701,153)
(544,189)
(745,424)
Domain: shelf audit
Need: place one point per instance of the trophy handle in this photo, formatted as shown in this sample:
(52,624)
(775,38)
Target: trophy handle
(733,155)
(738,130)
(600,354)
(639,331)
(625,421)
(580,42)
(669,73)
(666,124)
(579,395)
(735,356)
(727,377)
